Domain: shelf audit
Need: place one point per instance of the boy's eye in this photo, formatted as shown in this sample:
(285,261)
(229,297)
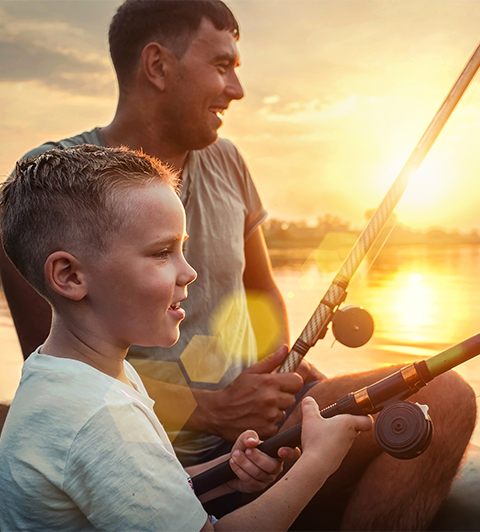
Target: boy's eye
(163,254)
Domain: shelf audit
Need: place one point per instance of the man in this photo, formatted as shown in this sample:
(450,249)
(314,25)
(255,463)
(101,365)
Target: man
(176,67)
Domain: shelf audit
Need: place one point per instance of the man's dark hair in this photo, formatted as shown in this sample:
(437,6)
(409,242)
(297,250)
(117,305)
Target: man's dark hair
(172,23)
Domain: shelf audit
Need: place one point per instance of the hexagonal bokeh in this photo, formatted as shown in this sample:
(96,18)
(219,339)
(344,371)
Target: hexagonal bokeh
(331,252)
(266,321)
(166,385)
(204,359)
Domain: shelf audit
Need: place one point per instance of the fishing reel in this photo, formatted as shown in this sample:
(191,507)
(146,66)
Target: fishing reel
(404,430)
(352,326)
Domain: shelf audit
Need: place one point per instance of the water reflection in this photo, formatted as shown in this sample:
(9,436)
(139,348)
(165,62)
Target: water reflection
(418,295)
(423,295)
(422,299)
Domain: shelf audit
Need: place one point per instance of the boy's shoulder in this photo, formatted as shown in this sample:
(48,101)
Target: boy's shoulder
(66,392)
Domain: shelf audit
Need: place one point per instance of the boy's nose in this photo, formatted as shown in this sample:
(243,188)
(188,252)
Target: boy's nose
(189,274)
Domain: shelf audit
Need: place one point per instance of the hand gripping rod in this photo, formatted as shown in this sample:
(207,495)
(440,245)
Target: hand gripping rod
(369,400)
(336,293)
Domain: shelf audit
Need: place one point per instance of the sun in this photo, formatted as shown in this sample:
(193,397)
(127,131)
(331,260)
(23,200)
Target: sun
(429,186)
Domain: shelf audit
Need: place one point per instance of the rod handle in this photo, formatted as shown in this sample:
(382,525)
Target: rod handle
(221,473)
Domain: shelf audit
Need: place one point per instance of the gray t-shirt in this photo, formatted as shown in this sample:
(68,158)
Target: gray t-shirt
(216,342)
(81,450)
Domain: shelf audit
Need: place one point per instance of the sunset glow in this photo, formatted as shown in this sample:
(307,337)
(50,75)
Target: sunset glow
(338,93)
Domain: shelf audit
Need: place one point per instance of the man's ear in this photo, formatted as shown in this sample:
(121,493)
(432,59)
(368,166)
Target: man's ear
(157,62)
(65,275)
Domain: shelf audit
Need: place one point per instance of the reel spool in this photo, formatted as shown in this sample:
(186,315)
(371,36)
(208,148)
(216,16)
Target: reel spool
(404,430)
(352,326)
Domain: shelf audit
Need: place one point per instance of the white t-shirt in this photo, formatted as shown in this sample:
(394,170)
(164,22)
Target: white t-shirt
(81,450)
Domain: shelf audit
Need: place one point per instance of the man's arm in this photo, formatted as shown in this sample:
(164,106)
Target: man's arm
(258,397)
(31,313)
(259,276)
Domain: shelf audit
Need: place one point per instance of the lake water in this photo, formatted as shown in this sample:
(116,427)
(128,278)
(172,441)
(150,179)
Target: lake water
(423,300)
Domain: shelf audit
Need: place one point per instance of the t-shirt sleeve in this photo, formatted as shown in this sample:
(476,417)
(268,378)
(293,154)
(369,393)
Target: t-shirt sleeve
(87,137)
(40,149)
(256,214)
(123,478)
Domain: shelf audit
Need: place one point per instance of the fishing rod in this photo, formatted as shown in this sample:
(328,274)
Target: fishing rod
(403,430)
(353,326)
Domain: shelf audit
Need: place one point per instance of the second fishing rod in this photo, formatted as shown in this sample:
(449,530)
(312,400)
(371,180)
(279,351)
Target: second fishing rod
(403,429)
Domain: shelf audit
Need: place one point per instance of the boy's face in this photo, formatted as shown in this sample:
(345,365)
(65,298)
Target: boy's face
(136,288)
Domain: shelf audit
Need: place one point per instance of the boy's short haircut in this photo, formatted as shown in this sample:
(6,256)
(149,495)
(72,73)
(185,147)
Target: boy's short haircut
(71,200)
(172,23)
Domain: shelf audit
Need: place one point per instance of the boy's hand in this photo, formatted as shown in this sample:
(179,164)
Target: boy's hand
(327,441)
(256,470)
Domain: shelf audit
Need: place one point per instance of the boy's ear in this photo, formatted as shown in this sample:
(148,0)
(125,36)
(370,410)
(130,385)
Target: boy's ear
(65,275)
(157,62)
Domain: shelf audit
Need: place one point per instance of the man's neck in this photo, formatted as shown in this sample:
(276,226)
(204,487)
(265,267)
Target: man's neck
(138,135)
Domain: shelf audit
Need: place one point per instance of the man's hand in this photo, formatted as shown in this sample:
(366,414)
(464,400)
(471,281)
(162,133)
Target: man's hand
(256,399)
(309,372)
(255,470)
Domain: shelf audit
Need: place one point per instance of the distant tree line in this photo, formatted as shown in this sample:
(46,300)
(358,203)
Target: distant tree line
(282,234)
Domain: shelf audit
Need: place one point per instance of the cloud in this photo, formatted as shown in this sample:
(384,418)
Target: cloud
(54,53)
(313,110)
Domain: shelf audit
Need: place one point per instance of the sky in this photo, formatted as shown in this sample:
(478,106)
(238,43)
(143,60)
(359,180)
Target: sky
(338,94)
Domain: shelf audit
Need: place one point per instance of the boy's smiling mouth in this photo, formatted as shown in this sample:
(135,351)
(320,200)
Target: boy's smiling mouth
(177,310)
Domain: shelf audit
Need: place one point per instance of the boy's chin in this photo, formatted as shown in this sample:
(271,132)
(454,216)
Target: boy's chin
(162,342)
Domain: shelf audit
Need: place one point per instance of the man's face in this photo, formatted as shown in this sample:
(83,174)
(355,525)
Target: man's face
(135,290)
(204,84)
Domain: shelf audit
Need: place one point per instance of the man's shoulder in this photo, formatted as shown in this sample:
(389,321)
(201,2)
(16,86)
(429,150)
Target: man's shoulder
(222,154)
(221,148)
(87,137)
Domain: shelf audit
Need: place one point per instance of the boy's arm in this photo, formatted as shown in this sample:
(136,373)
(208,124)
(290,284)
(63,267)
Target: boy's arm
(31,313)
(325,443)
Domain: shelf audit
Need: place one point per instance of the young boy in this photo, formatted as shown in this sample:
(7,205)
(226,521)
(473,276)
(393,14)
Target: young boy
(99,232)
